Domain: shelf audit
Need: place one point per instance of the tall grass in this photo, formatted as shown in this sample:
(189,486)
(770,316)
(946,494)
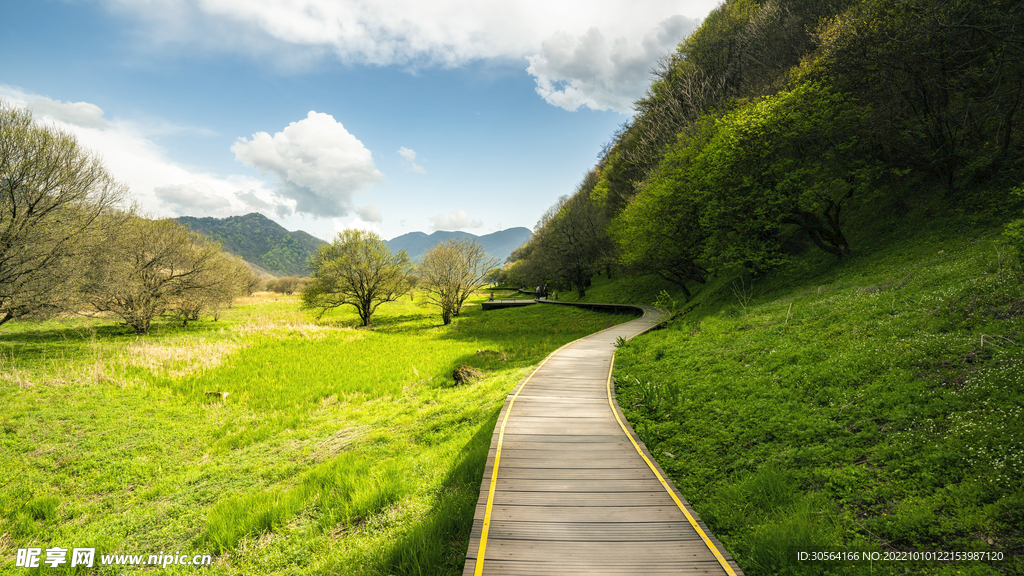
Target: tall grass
(336,450)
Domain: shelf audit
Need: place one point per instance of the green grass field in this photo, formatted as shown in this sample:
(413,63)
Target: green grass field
(873,404)
(335,450)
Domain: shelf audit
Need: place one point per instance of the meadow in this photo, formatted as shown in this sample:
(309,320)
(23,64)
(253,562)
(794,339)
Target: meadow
(275,443)
(872,404)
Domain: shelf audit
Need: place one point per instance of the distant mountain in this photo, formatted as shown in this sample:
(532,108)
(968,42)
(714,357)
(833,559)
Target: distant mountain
(260,241)
(269,246)
(497,244)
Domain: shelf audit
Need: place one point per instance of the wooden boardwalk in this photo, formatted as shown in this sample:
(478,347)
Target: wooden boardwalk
(569,488)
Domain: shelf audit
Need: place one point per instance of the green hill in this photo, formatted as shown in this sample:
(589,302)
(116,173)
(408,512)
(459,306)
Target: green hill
(829,193)
(871,404)
(259,241)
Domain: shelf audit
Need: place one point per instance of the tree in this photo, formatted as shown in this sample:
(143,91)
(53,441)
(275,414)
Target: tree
(660,233)
(214,288)
(451,271)
(52,194)
(152,267)
(357,269)
(285,284)
(578,242)
(781,165)
(945,80)
(252,281)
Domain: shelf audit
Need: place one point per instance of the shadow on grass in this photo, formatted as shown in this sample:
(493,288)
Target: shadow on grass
(438,544)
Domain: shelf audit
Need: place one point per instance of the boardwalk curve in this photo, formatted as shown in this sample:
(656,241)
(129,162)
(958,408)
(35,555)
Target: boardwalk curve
(570,489)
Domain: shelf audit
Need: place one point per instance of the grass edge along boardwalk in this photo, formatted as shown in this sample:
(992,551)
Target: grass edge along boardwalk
(569,488)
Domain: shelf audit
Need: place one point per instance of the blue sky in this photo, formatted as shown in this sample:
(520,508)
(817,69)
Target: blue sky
(395,115)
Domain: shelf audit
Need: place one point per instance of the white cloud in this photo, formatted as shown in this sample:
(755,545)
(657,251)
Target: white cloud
(369,213)
(407,153)
(592,71)
(456,221)
(295,33)
(410,155)
(319,164)
(78,113)
(160,186)
(356,223)
(193,198)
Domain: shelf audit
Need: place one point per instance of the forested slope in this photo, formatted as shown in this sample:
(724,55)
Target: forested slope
(779,126)
(260,241)
(828,193)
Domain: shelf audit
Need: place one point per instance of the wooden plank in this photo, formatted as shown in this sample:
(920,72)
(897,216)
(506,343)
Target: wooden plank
(582,499)
(561,445)
(575,473)
(567,461)
(597,553)
(584,483)
(622,567)
(589,531)
(565,513)
(511,437)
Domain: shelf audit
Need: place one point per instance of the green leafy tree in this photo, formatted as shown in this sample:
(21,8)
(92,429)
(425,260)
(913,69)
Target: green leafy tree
(944,79)
(359,270)
(781,165)
(660,233)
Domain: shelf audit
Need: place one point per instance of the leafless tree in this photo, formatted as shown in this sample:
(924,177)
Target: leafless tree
(285,284)
(52,194)
(213,289)
(152,267)
(451,271)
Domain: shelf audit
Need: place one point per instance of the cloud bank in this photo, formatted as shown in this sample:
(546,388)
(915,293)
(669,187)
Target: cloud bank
(162,187)
(555,36)
(602,74)
(318,163)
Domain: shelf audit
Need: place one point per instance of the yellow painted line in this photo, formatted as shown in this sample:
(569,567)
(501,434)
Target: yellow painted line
(664,483)
(497,457)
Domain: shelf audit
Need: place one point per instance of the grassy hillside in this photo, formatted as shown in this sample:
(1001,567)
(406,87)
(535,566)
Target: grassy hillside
(868,404)
(335,451)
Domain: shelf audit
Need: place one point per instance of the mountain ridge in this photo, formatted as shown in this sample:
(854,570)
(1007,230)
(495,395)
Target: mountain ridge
(271,247)
(497,244)
(259,241)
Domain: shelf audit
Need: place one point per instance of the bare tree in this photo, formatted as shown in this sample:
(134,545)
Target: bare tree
(451,271)
(285,284)
(252,281)
(52,193)
(357,269)
(214,288)
(152,267)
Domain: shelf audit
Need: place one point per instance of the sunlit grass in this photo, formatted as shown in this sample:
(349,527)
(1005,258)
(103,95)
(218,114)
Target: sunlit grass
(336,449)
(875,404)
